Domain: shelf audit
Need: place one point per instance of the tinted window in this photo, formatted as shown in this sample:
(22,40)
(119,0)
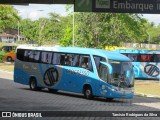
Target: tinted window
(68,59)
(63,59)
(36,56)
(85,62)
(56,58)
(75,60)
(103,72)
(46,57)
(26,55)
(97,60)
(20,54)
(143,57)
(9,48)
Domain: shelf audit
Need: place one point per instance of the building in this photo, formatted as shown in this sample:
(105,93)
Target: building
(10,36)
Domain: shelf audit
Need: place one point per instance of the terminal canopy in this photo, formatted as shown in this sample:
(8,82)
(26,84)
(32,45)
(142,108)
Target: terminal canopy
(114,6)
(36,1)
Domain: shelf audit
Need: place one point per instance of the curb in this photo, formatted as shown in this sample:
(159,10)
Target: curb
(146,95)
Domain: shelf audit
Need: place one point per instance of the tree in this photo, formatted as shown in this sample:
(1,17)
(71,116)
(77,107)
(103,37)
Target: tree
(153,33)
(8,17)
(44,30)
(29,29)
(101,29)
(67,30)
(53,29)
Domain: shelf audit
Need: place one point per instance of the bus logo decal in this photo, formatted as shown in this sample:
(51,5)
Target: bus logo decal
(151,70)
(51,77)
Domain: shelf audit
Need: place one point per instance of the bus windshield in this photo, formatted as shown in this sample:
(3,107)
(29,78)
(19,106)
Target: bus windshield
(122,74)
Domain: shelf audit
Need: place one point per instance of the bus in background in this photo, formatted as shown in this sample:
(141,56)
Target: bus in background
(10,56)
(9,52)
(146,62)
(92,72)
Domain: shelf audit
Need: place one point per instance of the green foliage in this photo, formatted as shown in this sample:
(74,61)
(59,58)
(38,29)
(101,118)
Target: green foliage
(2,54)
(43,30)
(95,30)
(67,38)
(153,34)
(8,17)
(67,32)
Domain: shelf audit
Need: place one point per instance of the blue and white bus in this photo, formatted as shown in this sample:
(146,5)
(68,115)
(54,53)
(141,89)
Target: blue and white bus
(146,62)
(92,72)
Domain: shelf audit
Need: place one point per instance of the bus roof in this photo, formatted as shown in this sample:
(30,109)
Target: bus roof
(97,52)
(138,51)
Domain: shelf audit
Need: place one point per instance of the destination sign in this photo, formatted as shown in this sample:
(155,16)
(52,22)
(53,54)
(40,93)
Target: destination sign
(118,6)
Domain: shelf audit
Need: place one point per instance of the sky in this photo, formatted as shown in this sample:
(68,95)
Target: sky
(35,11)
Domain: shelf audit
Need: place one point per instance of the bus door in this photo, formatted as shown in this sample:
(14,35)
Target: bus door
(104,72)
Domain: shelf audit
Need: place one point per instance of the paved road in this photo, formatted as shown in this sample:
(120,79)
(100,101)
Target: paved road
(17,97)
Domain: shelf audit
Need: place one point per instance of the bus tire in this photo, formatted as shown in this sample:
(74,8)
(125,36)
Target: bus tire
(52,90)
(9,59)
(33,84)
(88,92)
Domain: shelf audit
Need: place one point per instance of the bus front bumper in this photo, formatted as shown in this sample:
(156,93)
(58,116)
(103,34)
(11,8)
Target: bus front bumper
(126,93)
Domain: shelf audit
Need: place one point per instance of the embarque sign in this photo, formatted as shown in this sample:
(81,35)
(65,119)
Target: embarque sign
(118,6)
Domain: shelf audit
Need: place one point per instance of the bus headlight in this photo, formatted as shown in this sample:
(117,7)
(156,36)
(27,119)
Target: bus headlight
(114,89)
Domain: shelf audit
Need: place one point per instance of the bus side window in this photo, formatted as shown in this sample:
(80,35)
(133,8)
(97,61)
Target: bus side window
(49,57)
(90,64)
(62,59)
(132,57)
(85,62)
(31,56)
(46,57)
(43,57)
(75,60)
(97,62)
(56,58)
(143,58)
(156,57)
(36,56)
(149,58)
(69,59)
(26,55)
(20,54)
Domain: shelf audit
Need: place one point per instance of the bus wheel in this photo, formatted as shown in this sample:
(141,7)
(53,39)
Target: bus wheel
(88,92)
(33,85)
(9,59)
(52,90)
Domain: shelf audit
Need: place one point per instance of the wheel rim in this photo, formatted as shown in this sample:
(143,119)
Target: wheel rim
(33,85)
(88,93)
(9,59)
